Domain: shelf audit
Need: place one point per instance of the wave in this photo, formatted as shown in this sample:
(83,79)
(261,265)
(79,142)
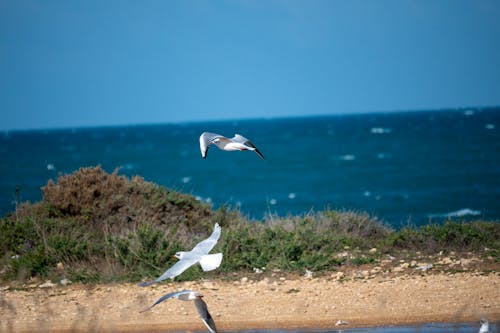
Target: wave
(458,213)
(347,157)
(490,126)
(380,130)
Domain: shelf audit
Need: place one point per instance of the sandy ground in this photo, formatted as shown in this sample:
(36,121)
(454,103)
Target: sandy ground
(257,301)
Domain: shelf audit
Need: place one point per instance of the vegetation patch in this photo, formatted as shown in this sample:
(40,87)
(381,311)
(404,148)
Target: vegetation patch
(93,226)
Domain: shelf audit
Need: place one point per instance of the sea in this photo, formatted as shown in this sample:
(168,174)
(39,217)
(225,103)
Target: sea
(425,328)
(404,168)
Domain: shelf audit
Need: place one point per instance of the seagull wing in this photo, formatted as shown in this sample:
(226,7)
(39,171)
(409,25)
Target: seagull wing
(178,268)
(173,271)
(167,296)
(208,244)
(246,142)
(206,139)
(201,306)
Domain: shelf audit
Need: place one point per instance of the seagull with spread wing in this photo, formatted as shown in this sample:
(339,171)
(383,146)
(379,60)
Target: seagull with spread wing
(198,254)
(238,142)
(201,306)
(485,326)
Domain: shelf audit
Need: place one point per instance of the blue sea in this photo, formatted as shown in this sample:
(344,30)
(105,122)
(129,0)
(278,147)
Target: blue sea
(405,168)
(426,328)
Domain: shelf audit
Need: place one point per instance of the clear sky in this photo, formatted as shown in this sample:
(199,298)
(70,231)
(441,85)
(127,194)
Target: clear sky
(97,62)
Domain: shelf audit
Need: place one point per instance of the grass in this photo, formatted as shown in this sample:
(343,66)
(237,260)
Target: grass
(92,226)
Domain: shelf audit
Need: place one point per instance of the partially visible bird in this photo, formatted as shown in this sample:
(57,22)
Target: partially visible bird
(201,306)
(485,326)
(237,142)
(199,254)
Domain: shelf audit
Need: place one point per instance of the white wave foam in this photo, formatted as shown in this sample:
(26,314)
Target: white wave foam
(458,213)
(208,200)
(380,130)
(489,126)
(51,167)
(128,166)
(186,179)
(382,156)
(348,157)
(291,195)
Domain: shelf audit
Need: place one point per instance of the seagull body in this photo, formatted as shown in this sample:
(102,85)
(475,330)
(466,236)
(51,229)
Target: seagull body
(199,254)
(201,306)
(237,142)
(485,326)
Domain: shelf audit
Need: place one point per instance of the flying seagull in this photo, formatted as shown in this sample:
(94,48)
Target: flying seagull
(238,142)
(199,254)
(485,326)
(201,306)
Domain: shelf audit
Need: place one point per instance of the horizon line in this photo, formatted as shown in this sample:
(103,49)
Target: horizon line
(186,122)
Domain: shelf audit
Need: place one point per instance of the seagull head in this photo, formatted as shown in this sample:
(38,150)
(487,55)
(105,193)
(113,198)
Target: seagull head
(179,255)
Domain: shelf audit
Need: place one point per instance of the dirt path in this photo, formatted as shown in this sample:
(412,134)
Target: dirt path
(256,302)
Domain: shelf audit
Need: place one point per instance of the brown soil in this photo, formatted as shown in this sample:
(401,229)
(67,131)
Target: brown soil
(259,301)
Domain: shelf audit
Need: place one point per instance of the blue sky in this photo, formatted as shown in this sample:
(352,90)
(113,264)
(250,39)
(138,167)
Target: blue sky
(91,63)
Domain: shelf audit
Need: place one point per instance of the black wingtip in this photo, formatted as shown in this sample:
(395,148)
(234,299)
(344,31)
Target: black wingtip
(260,154)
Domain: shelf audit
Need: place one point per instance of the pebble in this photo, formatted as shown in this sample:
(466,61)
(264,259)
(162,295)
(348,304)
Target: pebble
(263,282)
(65,282)
(424,267)
(208,285)
(446,261)
(47,284)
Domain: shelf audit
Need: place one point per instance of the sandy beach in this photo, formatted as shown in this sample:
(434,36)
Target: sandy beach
(257,301)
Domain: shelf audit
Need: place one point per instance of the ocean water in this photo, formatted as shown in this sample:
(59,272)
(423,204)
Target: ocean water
(426,328)
(404,168)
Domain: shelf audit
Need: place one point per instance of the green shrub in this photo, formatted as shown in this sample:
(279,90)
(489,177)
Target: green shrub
(93,226)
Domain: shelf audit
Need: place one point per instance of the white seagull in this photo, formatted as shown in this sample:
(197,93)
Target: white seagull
(201,306)
(199,254)
(238,142)
(485,326)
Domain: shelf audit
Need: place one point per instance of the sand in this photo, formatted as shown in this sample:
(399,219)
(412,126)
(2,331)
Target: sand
(257,301)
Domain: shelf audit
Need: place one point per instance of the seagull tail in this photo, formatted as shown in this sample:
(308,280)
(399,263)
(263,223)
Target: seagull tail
(210,261)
